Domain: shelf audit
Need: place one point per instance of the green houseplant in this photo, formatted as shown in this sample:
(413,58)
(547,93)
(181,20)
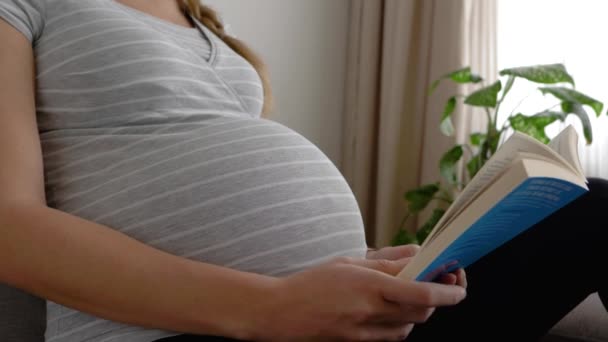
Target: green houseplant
(552,80)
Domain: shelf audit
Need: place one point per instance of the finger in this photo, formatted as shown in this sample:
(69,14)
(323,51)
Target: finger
(424,294)
(419,315)
(448,279)
(395,253)
(399,314)
(390,267)
(379,333)
(461,278)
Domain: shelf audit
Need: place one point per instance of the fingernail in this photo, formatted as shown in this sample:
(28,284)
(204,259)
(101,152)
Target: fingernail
(464,292)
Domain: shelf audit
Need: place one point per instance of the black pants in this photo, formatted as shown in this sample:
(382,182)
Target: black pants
(522,289)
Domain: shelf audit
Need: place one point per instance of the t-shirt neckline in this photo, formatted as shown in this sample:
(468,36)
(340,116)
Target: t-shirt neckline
(166,23)
(197,30)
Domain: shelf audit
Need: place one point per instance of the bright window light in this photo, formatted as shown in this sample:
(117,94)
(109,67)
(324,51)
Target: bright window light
(571,32)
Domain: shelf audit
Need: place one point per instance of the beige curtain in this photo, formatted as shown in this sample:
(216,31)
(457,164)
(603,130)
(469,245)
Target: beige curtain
(391,138)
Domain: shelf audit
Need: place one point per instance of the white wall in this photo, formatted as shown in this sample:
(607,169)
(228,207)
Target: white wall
(304,45)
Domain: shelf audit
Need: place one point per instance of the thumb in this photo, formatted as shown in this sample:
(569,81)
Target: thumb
(391,267)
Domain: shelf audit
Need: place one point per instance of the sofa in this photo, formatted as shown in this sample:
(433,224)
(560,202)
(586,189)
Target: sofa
(22,319)
(587,322)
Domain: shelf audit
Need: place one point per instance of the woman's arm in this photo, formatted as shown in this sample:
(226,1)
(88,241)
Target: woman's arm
(95,269)
(88,266)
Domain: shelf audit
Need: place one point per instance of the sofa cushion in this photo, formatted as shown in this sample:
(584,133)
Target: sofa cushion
(22,316)
(588,321)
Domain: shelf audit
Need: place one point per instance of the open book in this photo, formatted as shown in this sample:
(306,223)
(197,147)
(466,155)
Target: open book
(522,183)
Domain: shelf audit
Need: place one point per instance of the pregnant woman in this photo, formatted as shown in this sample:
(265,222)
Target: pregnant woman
(145,198)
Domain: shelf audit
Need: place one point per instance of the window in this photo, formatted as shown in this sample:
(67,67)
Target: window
(571,32)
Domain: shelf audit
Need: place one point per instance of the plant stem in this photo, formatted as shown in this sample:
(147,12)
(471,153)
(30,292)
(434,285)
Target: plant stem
(510,82)
(519,104)
(497,109)
(506,125)
(406,216)
(446,193)
(548,109)
(468,148)
(496,114)
(489,115)
(446,200)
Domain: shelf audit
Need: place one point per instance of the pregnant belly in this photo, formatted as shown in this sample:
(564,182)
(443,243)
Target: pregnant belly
(243,193)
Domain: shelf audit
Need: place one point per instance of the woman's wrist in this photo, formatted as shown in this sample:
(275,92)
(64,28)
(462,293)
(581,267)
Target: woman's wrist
(243,304)
(228,302)
(268,305)
(265,307)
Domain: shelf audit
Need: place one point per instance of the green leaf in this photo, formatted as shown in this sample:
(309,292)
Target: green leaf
(571,95)
(578,110)
(463,75)
(474,165)
(419,198)
(446,126)
(508,86)
(546,74)
(485,97)
(477,138)
(428,226)
(404,238)
(434,85)
(557,115)
(447,164)
(534,126)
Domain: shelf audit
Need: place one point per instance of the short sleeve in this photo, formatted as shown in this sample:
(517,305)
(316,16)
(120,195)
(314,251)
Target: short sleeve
(27,16)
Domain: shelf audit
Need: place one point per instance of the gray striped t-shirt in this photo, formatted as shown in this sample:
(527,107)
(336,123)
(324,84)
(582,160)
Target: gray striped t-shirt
(154,130)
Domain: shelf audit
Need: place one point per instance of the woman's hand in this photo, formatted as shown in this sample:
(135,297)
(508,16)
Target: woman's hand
(393,253)
(352,300)
(458,277)
(406,252)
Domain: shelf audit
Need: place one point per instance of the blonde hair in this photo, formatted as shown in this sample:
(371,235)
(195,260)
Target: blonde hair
(209,17)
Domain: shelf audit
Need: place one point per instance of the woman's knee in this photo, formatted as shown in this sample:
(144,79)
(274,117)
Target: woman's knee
(592,208)
(604,296)
(598,187)
(588,210)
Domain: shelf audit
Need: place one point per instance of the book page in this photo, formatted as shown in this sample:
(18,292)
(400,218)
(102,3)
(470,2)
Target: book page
(566,144)
(497,164)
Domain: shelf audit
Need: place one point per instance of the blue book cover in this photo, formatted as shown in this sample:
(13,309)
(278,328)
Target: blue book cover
(529,203)
(524,182)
